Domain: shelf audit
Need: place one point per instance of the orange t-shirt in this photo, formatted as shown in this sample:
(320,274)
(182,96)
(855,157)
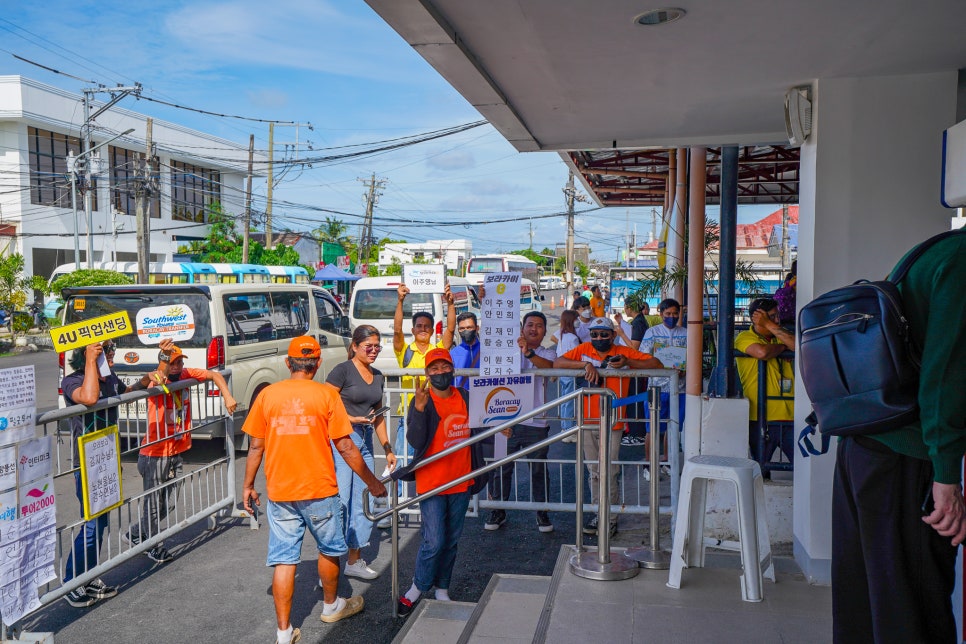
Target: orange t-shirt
(454,427)
(169,417)
(585,352)
(297,418)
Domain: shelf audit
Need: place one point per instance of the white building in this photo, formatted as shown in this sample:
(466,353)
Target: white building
(40,124)
(452,252)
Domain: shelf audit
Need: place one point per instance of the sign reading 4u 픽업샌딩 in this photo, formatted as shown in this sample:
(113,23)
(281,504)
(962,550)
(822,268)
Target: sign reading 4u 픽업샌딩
(85,332)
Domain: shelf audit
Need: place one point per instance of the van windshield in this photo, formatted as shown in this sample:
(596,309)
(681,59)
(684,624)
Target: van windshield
(85,307)
(380,304)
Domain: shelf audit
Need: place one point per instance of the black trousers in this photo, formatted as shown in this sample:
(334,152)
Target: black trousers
(892,575)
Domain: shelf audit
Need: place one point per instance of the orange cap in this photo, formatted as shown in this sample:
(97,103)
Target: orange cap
(304,346)
(438,354)
(174,354)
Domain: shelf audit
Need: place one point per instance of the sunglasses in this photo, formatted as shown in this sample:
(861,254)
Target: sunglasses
(372,348)
(600,335)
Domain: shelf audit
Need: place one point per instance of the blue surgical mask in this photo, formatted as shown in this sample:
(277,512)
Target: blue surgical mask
(670,322)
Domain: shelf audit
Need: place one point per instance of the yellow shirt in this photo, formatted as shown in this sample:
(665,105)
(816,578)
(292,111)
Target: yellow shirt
(780,374)
(418,361)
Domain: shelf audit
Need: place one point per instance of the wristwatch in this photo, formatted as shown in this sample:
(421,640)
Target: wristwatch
(529,354)
(387,448)
(164,357)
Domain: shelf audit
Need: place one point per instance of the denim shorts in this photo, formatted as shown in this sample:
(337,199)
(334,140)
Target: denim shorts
(288,520)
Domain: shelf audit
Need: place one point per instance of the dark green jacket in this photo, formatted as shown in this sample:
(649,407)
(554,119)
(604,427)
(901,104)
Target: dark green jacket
(934,301)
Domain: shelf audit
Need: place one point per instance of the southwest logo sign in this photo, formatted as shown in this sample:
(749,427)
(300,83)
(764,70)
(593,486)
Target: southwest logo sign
(501,405)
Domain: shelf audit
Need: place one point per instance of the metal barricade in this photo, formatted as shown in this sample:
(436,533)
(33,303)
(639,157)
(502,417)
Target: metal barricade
(608,565)
(207,491)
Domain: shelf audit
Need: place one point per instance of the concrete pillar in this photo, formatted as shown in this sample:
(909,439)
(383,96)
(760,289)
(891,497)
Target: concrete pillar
(870,176)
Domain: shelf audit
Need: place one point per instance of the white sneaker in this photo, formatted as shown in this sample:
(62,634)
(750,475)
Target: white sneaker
(360,569)
(666,471)
(646,474)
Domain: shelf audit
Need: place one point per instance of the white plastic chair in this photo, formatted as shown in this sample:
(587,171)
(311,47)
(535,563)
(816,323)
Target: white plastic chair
(688,550)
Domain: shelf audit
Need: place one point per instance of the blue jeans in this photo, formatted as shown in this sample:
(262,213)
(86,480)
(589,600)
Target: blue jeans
(87,543)
(567,408)
(288,521)
(354,522)
(443,517)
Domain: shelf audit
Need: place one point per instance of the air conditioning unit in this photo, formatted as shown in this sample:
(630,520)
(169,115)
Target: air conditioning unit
(798,114)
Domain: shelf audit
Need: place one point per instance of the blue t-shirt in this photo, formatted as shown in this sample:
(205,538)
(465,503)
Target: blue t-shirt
(465,357)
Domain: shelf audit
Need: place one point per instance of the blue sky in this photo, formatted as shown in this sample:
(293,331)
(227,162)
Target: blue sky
(338,66)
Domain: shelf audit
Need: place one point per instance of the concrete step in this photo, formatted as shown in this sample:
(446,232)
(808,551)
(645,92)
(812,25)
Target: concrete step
(435,621)
(508,611)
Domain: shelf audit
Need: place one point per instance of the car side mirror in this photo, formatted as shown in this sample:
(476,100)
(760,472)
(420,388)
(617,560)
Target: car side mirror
(344,325)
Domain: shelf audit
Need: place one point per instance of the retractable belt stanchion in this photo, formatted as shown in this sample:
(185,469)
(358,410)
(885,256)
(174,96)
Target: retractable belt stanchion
(653,557)
(603,565)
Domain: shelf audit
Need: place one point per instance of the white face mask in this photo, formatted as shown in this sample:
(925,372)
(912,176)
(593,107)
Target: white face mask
(585,314)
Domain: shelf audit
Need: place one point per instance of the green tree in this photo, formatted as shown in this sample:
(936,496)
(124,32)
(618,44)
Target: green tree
(90,277)
(583,270)
(15,286)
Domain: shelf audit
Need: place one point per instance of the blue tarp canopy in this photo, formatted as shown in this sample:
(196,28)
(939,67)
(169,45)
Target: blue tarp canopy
(332,273)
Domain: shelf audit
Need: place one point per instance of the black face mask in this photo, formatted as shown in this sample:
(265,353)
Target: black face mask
(602,345)
(441,381)
(468,336)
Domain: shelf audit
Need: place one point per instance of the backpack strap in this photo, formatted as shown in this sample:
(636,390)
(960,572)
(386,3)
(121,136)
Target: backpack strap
(408,356)
(903,267)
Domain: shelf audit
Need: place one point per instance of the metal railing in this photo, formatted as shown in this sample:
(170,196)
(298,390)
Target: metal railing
(608,565)
(207,491)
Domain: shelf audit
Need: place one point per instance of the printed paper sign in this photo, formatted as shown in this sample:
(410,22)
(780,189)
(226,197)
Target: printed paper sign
(157,323)
(35,458)
(619,290)
(8,469)
(424,278)
(671,357)
(8,513)
(500,325)
(81,334)
(494,401)
(17,404)
(100,458)
(29,545)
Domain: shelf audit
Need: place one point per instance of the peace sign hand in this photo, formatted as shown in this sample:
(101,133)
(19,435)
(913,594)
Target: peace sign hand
(421,397)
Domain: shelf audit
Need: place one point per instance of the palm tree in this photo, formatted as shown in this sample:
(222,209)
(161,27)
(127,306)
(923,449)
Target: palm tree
(332,231)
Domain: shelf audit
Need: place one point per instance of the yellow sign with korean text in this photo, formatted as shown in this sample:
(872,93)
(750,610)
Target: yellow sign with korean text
(100,467)
(81,334)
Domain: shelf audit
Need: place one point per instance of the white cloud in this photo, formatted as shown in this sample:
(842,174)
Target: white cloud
(452,160)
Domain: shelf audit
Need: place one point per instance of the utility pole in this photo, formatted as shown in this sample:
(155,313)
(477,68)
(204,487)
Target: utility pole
(117,93)
(366,239)
(531,233)
(271,180)
(570,193)
(142,192)
(247,223)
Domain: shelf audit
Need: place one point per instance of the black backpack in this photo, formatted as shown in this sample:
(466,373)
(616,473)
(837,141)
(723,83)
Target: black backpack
(859,363)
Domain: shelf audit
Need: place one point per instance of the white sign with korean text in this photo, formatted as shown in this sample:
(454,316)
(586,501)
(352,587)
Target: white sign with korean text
(28,544)
(424,278)
(499,399)
(100,471)
(18,404)
(500,325)
(8,468)
(35,458)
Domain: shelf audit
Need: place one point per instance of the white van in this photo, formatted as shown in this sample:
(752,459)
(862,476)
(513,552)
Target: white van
(374,300)
(244,327)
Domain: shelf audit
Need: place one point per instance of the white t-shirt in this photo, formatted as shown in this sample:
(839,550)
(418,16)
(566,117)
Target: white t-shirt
(627,329)
(540,383)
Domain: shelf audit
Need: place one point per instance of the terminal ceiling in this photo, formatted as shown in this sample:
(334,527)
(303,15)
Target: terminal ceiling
(583,78)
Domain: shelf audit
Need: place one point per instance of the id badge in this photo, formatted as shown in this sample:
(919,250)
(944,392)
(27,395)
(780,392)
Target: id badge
(786,385)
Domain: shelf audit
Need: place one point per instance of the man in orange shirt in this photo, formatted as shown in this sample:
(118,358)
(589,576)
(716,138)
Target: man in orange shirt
(291,424)
(597,304)
(169,435)
(437,419)
(591,356)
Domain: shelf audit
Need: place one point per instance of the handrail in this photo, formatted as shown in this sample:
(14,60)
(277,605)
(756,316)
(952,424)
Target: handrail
(603,502)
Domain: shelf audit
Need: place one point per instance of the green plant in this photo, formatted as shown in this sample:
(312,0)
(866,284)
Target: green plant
(89,277)
(22,323)
(14,285)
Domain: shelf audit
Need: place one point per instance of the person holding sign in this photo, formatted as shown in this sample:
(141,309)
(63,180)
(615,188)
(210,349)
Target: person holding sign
(439,418)
(361,387)
(535,430)
(669,343)
(168,436)
(601,353)
(413,354)
(86,386)
(294,424)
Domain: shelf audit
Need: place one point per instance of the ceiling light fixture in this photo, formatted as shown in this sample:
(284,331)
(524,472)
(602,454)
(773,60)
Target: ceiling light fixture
(660,16)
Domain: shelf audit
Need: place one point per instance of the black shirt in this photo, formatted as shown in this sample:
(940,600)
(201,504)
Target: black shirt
(638,326)
(80,425)
(358,396)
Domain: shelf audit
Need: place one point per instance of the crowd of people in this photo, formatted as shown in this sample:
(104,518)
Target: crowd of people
(317,440)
